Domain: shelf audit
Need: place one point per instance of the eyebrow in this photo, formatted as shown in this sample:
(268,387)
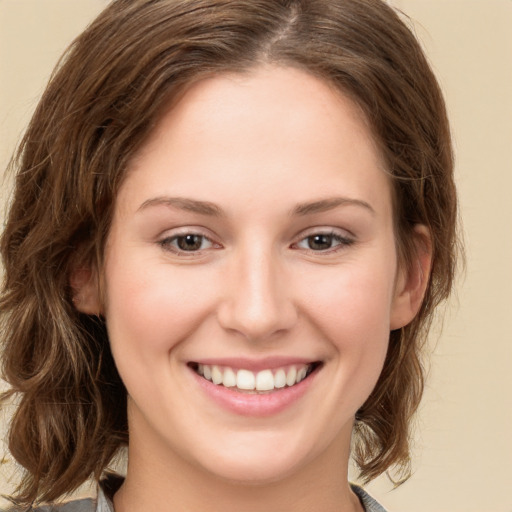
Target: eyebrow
(211,209)
(183,203)
(327,204)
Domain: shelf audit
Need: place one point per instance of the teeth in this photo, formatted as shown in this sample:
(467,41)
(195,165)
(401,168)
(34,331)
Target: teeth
(291,376)
(264,380)
(217,376)
(245,380)
(280,379)
(229,378)
(301,374)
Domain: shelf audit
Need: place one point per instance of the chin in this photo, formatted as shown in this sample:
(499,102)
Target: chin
(253,473)
(252,465)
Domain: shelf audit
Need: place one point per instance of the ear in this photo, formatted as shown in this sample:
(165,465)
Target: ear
(85,290)
(411,282)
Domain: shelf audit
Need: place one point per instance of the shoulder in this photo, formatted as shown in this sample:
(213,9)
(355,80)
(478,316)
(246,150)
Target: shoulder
(83,505)
(369,503)
(102,503)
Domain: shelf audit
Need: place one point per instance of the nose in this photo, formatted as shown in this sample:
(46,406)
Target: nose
(258,300)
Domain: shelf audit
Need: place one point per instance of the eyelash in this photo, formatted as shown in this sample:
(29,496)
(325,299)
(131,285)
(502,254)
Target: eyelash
(342,241)
(171,243)
(167,243)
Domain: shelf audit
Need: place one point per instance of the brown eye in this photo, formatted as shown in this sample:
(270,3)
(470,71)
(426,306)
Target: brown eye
(324,242)
(320,242)
(188,242)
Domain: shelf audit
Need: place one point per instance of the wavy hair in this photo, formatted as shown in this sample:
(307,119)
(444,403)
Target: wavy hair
(101,104)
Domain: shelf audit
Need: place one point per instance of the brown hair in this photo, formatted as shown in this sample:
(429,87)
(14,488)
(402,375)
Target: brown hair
(99,107)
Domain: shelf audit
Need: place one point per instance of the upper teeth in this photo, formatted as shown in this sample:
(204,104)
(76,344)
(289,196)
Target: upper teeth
(264,380)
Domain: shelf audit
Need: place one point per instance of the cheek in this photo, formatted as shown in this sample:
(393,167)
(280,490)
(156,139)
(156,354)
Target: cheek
(353,300)
(351,308)
(151,307)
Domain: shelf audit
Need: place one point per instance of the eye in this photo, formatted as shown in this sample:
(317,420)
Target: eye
(187,242)
(320,242)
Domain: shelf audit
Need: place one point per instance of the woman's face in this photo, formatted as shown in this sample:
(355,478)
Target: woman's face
(252,246)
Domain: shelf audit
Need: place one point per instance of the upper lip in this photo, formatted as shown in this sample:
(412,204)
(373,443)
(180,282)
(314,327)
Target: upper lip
(266,363)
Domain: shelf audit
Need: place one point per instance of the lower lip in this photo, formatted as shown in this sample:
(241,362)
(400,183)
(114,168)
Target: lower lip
(248,404)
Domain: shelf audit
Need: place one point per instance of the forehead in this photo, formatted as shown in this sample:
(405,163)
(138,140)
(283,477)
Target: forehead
(268,128)
(257,98)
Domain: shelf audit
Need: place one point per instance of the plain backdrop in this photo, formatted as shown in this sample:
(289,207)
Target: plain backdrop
(463,446)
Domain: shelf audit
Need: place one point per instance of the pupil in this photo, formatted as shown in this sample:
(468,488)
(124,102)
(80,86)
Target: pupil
(320,242)
(189,242)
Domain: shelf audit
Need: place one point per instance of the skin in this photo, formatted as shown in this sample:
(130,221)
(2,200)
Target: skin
(259,146)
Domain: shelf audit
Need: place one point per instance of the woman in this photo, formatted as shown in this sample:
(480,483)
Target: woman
(232,223)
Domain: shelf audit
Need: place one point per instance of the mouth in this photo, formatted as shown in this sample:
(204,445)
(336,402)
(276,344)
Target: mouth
(264,381)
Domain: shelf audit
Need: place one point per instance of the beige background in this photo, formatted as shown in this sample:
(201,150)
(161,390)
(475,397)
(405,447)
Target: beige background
(463,452)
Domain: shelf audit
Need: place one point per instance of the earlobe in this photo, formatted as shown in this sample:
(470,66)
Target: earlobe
(412,281)
(85,291)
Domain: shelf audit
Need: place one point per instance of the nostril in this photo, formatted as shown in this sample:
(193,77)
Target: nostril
(257,320)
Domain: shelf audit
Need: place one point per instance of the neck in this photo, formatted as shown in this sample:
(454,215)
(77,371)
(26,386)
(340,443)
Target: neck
(169,484)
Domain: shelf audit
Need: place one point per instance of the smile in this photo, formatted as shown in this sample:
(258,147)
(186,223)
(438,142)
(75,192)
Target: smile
(247,381)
